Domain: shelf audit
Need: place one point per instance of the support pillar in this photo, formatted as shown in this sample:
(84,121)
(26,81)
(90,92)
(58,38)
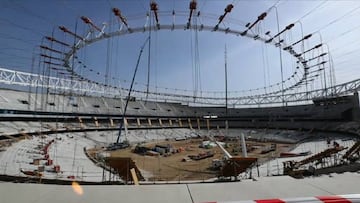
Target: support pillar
(138,122)
(208,124)
(198,123)
(81,122)
(96,122)
(190,125)
(111,122)
(126,122)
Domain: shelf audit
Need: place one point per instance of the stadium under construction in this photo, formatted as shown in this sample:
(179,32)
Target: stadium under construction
(59,126)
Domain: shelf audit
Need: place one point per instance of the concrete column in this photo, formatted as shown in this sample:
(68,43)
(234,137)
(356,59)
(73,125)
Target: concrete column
(160,122)
(170,122)
(138,122)
(198,123)
(356,107)
(190,125)
(180,123)
(208,124)
(96,122)
(81,122)
(126,122)
(149,121)
(126,127)
(111,122)
(226,127)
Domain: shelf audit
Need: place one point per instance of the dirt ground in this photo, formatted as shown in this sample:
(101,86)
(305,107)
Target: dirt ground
(173,168)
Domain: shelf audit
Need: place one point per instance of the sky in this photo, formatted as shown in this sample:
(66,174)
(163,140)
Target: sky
(187,60)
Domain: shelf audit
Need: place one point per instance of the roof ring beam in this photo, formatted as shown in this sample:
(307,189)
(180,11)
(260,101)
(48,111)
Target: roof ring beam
(51,63)
(57,41)
(304,38)
(50,49)
(315,47)
(260,17)
(173,23)
(121,18)
(297,42)
(192,8)
(154,8)
(51,57)
(316,57)
(278,34)
(318,64)
(221,18)
(89,22)
(64,29)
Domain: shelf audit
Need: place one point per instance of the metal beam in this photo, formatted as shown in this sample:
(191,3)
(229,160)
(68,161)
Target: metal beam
(66,86)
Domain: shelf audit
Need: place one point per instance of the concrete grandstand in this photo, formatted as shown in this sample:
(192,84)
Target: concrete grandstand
(86,117)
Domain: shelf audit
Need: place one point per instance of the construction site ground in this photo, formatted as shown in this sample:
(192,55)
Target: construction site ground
(174,168)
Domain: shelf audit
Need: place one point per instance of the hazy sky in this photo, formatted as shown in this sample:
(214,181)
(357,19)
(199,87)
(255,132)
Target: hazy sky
(176,55)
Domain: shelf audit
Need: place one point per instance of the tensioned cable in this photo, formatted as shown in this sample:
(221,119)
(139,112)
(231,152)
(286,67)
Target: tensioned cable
(73,59)
(308,13)
(281,60)
(192,65)
(143,3)
(337,19)
(197,56)
(202,6)
(344,33)
(348,53)
(235,2)
(10,37)
(149,59)
(22,9)
(131,86)
(155,59)
(35,31)
(116,59)
(110,4)
(265,65)
(70,8)
(197,82)
(14,55)
(336,49)
(108,56)
(276,3)
(316,8)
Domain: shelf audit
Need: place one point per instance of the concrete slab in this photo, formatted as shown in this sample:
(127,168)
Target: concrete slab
(346,183)
(266,188)
(16,192)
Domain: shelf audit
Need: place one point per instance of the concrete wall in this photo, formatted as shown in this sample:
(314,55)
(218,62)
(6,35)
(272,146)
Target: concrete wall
(263,188)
